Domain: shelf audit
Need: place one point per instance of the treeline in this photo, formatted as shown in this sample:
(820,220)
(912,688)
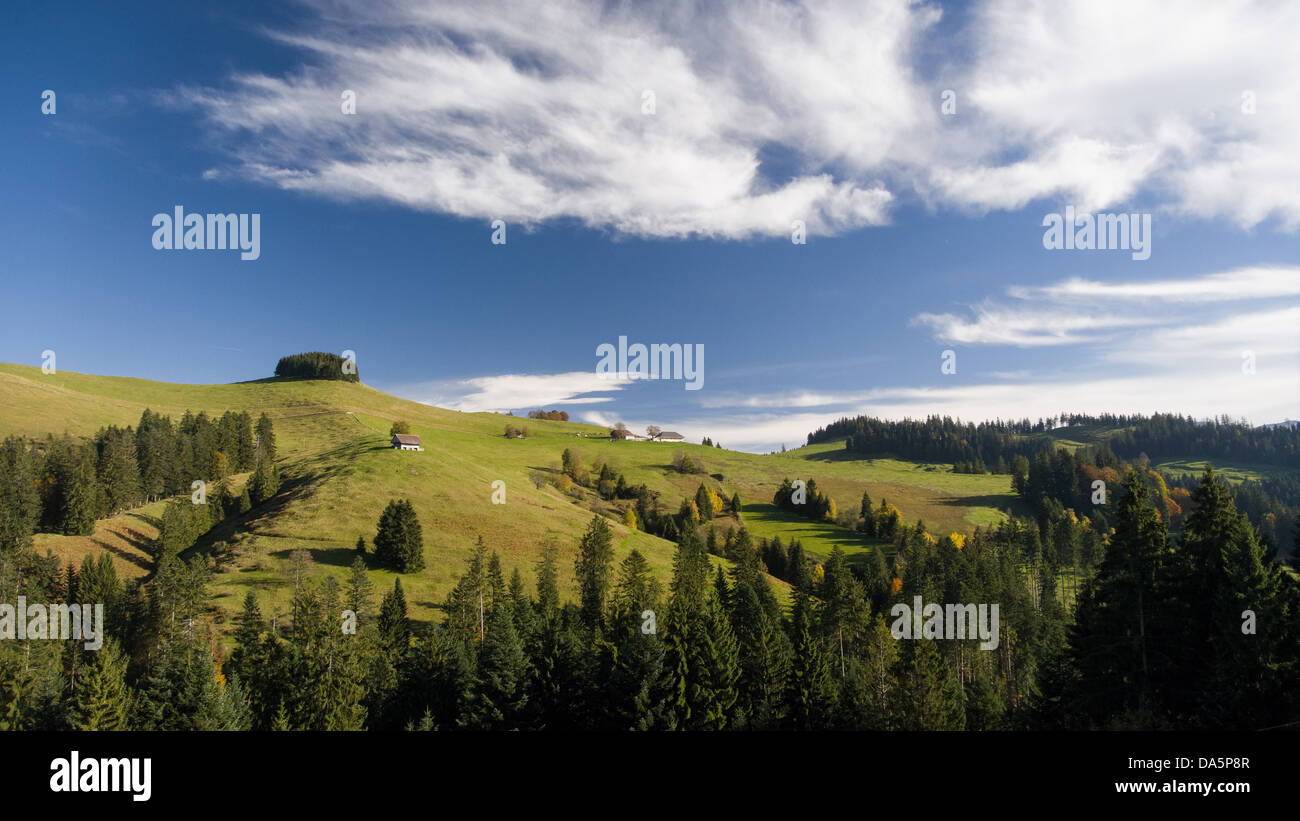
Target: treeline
(318,365)
(983,448)
(1172,436)
(992,447)
(61,485)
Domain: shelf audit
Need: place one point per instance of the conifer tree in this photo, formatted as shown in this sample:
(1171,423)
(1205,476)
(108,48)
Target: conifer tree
(811,691)
(265,448)
(399,541)
(931,694)
(1111,640)
(394,627)
(360,590)
(701,647)
(594,569)
(501,681)
(101,700)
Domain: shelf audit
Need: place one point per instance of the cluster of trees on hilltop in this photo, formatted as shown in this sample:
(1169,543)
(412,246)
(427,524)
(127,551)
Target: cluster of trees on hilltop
(318,365)
(1157,642)
(61,485)
(553,415)
(993,447)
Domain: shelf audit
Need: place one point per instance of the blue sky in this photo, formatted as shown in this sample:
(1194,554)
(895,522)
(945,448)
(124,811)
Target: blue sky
(673,225)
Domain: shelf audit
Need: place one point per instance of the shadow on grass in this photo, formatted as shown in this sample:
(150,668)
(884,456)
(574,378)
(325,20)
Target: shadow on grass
(153,521)
(315,471)
(1001,502)
(139,543)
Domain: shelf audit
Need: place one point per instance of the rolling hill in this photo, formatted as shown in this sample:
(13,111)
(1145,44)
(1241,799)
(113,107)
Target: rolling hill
(340,472)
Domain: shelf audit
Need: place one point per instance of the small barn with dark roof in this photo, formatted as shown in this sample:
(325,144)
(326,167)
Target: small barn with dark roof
(407,441)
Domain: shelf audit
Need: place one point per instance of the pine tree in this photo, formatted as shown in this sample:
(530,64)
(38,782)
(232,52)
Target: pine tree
(501,681)
(763,655)
(360,589)
(394,627)
(101,700)
(704,503)
(265,482)
(701,647)
(399,541)
(265,448)
(931,694)
(810,688)
(797,568)
(594,569)
(984,709)
(1112,640)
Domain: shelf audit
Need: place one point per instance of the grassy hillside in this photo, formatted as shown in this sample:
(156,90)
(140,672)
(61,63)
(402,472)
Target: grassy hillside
(340,473)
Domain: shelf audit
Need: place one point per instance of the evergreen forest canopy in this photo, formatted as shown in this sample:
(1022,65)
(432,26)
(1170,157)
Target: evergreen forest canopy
(1148,633)
(992,446)
(318,365)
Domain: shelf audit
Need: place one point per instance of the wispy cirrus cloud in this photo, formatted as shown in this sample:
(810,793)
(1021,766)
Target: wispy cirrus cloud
(992,324)
(1081,311)
(534,111)
(1258,282)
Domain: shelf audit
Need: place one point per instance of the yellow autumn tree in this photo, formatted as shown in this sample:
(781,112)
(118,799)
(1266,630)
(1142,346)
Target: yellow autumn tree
(629,518)
(958,539)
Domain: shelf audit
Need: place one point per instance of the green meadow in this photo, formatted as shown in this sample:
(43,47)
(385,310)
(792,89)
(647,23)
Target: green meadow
(339,473)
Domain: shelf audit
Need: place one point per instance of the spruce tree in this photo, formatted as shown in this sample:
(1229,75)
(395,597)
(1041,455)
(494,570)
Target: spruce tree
(1112,641)
(394,627)
(594,569)
(101,700)
(501,680)
(811,692)
(399,541)
(931,693)
(360,590)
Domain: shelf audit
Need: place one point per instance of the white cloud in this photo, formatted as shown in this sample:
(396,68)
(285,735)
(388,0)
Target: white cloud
(1025,327)
(511,391)
(1246,283)
(533,111)
(1077,311)
(1097,99)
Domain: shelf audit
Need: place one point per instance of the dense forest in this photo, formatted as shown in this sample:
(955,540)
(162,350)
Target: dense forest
(991,447)
(1150,634)
(318,365)
(62,485)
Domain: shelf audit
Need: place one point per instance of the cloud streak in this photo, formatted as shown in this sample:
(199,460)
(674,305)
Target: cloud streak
(531,112)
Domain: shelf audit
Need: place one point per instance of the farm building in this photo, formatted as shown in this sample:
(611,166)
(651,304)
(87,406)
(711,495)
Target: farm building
(669,436)
(407,441)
